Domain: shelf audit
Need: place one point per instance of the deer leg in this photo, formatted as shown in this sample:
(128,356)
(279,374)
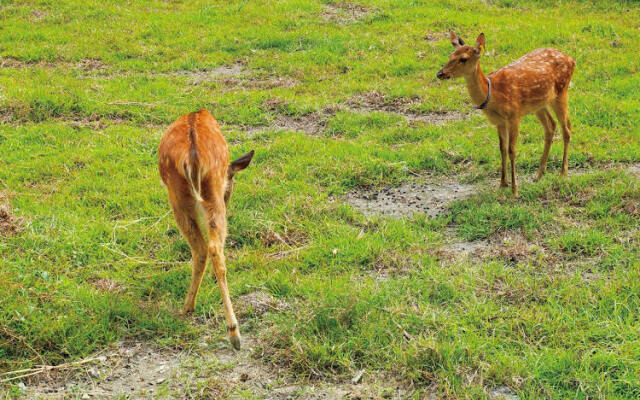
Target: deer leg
(560,107)
(504,140)
(216,252)
(190,230)
(549,130)
(513,141)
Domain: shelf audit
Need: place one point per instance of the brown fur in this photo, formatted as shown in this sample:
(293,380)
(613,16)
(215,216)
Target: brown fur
(194,165)
(529,85)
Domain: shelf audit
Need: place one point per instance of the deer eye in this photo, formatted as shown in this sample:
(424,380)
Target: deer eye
(463,60)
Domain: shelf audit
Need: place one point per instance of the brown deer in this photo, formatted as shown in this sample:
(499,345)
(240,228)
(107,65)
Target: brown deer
(194,164)
(529,85)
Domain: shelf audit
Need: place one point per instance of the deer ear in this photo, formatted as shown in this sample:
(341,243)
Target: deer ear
(480,44)
(455,40)
(240,164)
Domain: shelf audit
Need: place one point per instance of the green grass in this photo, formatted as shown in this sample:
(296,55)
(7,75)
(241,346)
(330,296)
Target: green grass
(78,162)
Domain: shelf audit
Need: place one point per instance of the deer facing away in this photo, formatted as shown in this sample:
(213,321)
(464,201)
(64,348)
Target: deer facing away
(532,84)
(194,164)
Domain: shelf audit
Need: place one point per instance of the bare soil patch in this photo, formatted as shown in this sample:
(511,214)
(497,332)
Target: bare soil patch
(237,77)
(510,246)
(15,63)
(135,370)
(91,65)
(141,371)
(84,65)
(311,124)
(502,393)
(430,36)
(258,303)
(38,15)
(258,82)
(376,101)
(431,198)
(223,71)
(9,223)
(344,12)
(107,285)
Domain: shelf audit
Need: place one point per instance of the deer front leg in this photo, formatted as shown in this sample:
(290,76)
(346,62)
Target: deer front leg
(504,140)
(216,252)
(513,141)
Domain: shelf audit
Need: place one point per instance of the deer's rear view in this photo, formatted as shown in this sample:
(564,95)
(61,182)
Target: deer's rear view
(194,164)
(529,85)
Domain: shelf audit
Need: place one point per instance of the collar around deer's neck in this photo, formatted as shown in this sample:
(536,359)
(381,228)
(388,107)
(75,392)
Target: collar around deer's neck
(484,103)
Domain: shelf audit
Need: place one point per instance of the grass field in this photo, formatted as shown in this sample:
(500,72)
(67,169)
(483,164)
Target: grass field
(88,88)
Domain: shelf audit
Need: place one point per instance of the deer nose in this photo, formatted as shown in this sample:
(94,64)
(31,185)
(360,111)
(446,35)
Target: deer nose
(440,75)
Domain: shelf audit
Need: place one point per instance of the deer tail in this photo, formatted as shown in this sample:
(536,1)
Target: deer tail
(193,171)
(191,165)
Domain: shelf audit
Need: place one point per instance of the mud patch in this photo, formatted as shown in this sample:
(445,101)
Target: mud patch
(634,169)
(411,198)
(376,101)
(9,223)
(344,12)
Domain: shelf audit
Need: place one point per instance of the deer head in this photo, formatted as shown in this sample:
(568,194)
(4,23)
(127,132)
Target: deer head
(235,167)
(464,60)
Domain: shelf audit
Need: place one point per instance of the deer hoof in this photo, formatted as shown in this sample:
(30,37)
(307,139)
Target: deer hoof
(235,342)
(187,310)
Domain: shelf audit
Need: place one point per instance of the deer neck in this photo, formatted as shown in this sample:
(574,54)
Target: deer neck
(477,85)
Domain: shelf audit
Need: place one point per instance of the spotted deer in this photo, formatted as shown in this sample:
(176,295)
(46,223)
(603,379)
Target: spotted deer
(193,159)
(529,85)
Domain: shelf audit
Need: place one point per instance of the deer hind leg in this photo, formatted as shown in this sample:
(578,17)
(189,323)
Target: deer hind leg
(190,230)
(216,252)
(513,141)
(561,109)
(544,116)
(504,142)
